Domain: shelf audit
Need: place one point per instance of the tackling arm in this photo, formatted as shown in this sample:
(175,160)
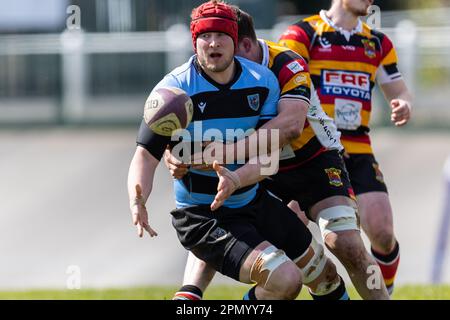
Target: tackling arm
(289,122)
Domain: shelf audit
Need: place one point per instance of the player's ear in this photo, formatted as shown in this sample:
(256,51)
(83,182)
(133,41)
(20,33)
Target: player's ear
(247,44)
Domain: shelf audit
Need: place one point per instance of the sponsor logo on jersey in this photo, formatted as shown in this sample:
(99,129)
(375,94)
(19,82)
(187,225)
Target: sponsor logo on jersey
(370,48)
(334,175)
(295,67)
(325,44)
(346,83)
(347,114)
(300,79)
(202,106)
(253,101)
(349,48)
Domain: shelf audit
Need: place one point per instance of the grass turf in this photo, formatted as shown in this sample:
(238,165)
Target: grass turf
(409,292)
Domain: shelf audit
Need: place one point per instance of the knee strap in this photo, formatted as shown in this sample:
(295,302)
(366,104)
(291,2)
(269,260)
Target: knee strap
(338,218)
(265,263)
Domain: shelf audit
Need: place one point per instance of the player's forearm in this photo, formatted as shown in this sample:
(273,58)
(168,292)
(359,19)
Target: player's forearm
(249,174)
(276,133)
(397,90)
(403,94)
(141,172)
(407,96)
(257,169)
(289,124)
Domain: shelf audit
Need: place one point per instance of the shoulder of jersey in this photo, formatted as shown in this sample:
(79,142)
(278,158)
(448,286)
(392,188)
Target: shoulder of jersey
(277,48)
(182,70)
(253,67)
(312,20)
(373,32)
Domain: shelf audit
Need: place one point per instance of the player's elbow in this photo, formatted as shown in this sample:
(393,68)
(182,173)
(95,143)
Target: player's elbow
(294,131)
(294,127)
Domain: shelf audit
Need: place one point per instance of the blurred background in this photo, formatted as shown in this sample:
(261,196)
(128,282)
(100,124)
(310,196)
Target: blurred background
(74,76)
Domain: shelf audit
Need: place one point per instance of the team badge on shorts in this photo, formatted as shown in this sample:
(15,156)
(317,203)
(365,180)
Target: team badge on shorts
(253,101)
(369,48)
(378,174)
(334,175)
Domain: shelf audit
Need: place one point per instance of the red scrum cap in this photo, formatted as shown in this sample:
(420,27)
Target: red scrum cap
(214,16)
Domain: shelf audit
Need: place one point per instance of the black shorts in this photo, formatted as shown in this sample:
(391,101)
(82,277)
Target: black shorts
(365,174)
(322,177)
(225,237)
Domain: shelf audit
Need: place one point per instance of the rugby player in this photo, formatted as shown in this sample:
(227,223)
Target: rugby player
(304,174)
(242,238)
(345,58)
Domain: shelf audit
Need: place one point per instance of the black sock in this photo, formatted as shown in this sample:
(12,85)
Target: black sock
(388,258)
(250,295)
(340,293)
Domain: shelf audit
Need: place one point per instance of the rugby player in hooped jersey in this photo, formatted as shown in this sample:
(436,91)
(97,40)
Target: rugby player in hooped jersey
(346,57)
(242,239)
(302,175)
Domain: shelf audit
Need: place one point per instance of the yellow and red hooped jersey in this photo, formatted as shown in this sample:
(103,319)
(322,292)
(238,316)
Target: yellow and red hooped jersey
(319,133)
(344,66)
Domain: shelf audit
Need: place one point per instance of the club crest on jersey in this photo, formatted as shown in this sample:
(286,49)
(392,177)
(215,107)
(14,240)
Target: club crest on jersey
(369,48)
(253,101)
(334,175)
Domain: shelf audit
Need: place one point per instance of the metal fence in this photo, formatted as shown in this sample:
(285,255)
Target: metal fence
(78,77)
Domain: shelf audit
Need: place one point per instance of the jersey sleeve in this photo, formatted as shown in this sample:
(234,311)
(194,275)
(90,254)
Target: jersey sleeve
(168,81)
(388,70)
(297,37)
(154,143)
(293,76)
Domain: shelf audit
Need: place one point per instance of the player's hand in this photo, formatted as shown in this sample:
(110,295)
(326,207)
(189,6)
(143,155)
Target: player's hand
(176,167)
(140,215)
(401,112)
(229,182)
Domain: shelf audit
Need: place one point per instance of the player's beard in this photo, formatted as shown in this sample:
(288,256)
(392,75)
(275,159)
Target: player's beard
(216,67)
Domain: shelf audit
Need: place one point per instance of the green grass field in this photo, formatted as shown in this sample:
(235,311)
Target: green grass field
(213,293)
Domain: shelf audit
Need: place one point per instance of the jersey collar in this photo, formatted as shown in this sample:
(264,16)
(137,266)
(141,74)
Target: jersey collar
(219,86)
(347,34)
(265,49)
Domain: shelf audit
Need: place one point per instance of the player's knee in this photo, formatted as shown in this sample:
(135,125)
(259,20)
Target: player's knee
(347,246)
(286,281)
(384,241)
(275,272)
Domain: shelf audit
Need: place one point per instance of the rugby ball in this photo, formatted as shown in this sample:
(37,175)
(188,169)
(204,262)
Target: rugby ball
(167,110)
